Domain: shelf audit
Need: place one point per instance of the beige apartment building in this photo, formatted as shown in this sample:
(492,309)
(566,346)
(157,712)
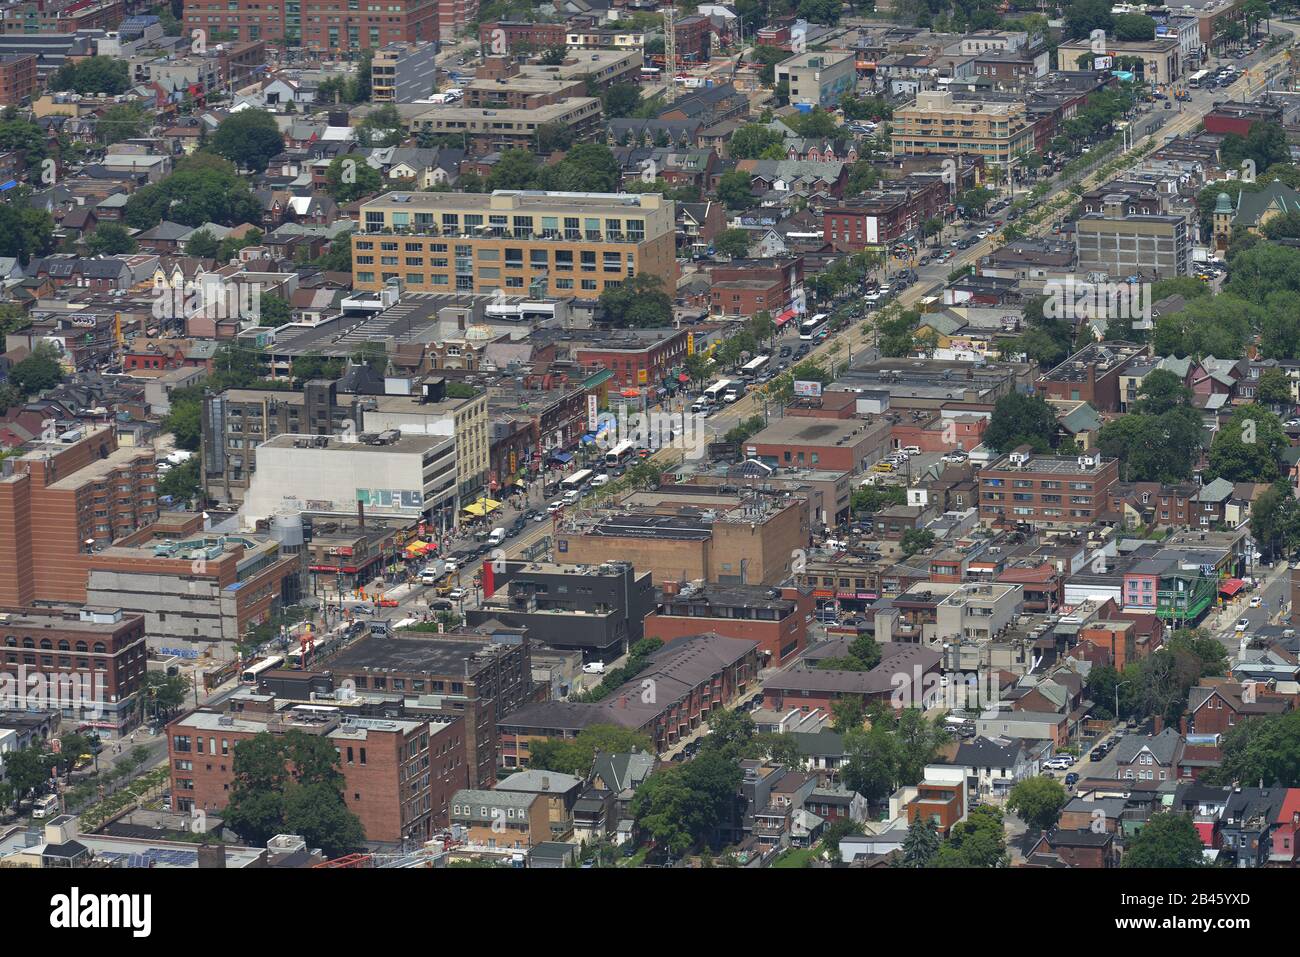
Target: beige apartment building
(521,242)
(939,124)
(487,130)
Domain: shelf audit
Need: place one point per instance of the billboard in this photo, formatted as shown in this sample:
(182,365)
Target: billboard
(807,390)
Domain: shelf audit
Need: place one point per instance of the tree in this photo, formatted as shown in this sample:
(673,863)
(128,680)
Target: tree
(620,99)
(348,178)
(122,122)
(1275,520)
(1217,326)
(1038,801)
(382,127)
(734,190)
(1263,748)
(752,140)
(39,371)
(276,311)
(203,188)
(682,806)
(1161,391)
(1274,388)
(28,769)
(184,422)
(25,231)
(291,783)
(977,841)
(1264,144)
(872,762)
(248,139)
(825,12)
(110,239)
(1020,419)
(516,169)
(182,481)
(638,302)
(1134,26)
(916,540)
(1166,840)
(921,844)
(96,74)
(848,714)
(577,756)
(1248,447)
(732,242)
(589,167)
(202,245)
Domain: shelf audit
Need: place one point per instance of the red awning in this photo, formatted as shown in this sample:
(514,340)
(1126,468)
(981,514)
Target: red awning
(683,377)
(1231,586)
(786,316)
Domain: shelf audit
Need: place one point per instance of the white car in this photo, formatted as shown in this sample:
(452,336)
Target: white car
(1242,625)
(955,458)
(1256,601)
(594,668)
(555,507)
(457,594)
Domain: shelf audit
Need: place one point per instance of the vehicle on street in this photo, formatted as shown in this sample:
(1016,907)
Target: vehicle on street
(45,806)
(1071,779)
(1243,624)
(457,594)
(1256,601)
(594,668)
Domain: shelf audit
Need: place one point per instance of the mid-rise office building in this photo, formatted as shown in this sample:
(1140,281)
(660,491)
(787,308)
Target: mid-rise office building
(236,421)
(596,610)
(1050,490)
(819,78)
(938,123)
(519,242)
(403,72)
(1122,244)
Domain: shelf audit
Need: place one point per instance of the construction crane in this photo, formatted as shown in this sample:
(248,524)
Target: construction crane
(670,52)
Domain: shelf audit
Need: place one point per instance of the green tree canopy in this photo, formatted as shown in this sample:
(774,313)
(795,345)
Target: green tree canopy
(248,139)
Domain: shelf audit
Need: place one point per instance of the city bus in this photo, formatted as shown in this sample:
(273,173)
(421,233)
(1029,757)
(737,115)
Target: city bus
(754,367)
(714,393)
(253,672)
(577,481)
(620,454)
(1196,79)
(813,326)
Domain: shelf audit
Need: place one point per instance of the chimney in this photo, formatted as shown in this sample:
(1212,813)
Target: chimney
(212,855)
(1182,726)
(671,588)
(1160,724)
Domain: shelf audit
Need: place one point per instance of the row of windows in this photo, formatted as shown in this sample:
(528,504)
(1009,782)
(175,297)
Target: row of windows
(46,645)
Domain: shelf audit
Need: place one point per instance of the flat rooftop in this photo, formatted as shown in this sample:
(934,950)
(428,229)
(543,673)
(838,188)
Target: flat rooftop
(429,656)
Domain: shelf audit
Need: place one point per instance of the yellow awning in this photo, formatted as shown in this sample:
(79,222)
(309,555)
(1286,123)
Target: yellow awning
(482,507)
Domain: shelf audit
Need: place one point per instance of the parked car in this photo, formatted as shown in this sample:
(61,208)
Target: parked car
(457,594)
(594,668)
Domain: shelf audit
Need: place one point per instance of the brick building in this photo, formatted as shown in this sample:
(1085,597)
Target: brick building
(94,660)
(778,623)
(637,357)
(398,775)
(1048,490)
(17,78)
(484,680)
(62,499)
(318,25)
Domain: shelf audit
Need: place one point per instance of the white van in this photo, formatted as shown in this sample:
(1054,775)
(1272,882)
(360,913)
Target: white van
(46,806)
(599,480)
(497,537)
(731,395)
(701,406)
(571,497)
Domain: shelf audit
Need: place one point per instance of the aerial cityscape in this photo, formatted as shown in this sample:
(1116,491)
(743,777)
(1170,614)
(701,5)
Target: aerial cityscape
(605,434)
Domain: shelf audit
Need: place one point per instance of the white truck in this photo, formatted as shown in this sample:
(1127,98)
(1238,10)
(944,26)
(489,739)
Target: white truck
(433,572)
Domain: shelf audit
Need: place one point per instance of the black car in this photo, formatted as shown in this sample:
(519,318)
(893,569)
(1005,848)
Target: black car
(440,604)
(785,352)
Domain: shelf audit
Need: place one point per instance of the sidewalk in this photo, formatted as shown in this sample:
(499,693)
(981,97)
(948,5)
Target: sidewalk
(1225,618)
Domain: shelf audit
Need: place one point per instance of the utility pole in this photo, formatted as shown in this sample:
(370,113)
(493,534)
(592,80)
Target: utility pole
(670,52)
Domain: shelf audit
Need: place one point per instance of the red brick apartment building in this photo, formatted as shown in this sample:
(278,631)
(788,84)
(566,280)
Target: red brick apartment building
(103,649)
(1046,489)
(516,33)
(747,287)
(775,618)
(17,78)
(79,488)
(636,358)
(484,680)
(63,16)
(320,25)
(399,775)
